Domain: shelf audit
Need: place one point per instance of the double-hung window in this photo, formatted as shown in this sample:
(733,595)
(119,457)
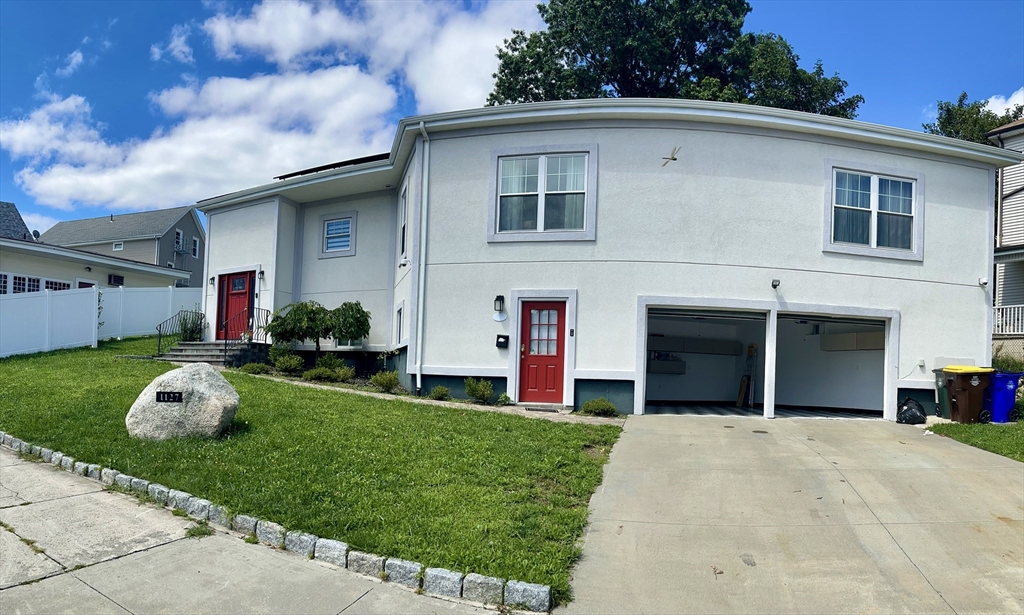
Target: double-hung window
(544,195)
(875,214)
(195,247)
(338,235)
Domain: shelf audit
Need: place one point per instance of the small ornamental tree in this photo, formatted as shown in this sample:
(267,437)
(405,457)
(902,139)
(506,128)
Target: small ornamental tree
(298,322)
(350,321)
(309,320)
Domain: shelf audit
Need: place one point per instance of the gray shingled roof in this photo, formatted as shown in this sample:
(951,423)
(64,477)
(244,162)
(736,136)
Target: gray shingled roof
(122,226)
(11,224)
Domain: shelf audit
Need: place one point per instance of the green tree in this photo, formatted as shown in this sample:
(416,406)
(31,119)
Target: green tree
(970,121)
(350,321)
(660,49)
(308,320)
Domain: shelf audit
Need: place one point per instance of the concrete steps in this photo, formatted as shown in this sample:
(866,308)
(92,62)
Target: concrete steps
(211,352)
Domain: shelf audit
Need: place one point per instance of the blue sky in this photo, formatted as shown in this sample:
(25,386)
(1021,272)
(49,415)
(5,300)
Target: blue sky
(122,106)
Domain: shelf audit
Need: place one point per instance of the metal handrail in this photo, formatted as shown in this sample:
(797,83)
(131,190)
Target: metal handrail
(185,324)
(254,320)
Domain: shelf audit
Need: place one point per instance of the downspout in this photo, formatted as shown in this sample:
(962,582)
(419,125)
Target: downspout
(999,199)
(422,265)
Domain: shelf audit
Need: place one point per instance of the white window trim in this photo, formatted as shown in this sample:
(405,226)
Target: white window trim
(403,221)
(401,333)
(195,247)
(118,246)
(322,229)
(589,232)
(915,254)
(179,239)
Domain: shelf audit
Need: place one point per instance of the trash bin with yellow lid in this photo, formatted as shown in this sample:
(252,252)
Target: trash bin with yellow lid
(966,385)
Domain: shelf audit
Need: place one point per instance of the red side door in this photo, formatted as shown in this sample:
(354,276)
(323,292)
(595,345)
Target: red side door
(542,352)
(235,302)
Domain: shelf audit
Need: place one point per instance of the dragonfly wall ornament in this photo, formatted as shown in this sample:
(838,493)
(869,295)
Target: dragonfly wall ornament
(671,156)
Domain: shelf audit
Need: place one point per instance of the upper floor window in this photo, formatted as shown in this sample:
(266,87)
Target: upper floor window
(338,235)
(403,215)
(544,194)
(118,246)
(179,239)
(195,247)
(875,213)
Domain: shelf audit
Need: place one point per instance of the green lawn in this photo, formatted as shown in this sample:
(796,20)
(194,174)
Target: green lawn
(483,492)
(1006,440)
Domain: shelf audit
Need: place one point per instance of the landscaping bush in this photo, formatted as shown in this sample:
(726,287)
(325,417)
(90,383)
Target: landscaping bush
(345,373)
(329,361)
(255,368)
(321,374)
(479,390)
(440,393)
(1007,362)
(387,382)
(279,350)
(503,400)
(289,364)
(192,325)
(599,407)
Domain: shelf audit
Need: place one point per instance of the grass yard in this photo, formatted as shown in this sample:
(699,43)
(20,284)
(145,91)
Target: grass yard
(481,492)
(1005,440)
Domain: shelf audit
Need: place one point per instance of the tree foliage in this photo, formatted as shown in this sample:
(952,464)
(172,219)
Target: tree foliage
(660,49)
(308,320)
(970,120)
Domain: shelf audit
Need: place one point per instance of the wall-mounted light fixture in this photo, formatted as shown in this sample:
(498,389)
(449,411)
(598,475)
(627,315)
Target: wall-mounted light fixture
(982,281)
(260,275)
(212,280)
(776,282)
(499,309)
(88,268)
(404,263)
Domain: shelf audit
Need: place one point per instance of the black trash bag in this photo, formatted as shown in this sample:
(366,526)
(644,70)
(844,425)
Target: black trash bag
(910,412)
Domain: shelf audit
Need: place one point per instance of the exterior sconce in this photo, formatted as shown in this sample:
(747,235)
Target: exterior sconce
(260,275)
(212,280)
(499,309)
(776,282)
(88,268)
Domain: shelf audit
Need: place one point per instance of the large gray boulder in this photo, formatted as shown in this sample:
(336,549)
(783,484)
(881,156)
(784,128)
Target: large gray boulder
(208,404)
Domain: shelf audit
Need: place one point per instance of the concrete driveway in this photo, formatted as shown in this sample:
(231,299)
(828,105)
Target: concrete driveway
(747,515)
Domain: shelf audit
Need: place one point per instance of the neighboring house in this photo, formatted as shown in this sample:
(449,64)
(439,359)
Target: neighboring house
(28,266)
(172,238)
(1009,245)
(659,253)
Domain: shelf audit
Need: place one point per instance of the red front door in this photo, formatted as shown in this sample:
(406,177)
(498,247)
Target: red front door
(235,304)
(542,352)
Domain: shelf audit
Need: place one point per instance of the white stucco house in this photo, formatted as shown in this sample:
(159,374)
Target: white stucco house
(665,254)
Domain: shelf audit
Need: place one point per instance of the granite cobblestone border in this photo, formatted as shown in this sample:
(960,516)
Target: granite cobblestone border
(489,591)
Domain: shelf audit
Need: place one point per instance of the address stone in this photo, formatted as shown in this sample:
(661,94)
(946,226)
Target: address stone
(208,404)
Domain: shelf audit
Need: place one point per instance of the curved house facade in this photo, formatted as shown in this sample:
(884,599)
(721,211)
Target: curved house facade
(664,254)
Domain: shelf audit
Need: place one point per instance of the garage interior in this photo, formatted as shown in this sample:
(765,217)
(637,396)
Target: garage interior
(832,366)
(710,362)
(704,362)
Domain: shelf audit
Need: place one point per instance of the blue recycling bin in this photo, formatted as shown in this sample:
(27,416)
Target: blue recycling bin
(1002,395)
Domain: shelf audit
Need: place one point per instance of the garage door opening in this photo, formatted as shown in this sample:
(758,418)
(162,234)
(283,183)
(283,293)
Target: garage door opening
(704,362)
(829,366)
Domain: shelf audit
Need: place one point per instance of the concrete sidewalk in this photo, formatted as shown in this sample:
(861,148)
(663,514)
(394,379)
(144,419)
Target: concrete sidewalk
(68,546)
(748,515)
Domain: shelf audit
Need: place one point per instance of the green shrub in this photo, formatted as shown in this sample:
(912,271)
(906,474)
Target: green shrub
(289,364)
(387,382)
(503,400)
(440,393)
(255,368)
(192,325)
(480,390)
(329,361)
(599,407)
(279,350)
(1006,362)
(321,374)
(345,373)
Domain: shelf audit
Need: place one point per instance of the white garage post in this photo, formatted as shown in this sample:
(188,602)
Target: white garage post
(771,322)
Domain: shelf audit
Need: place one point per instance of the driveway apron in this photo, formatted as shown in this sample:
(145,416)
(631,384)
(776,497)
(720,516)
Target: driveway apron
(748,515)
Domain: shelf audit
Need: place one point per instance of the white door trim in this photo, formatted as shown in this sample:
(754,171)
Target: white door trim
(525,294)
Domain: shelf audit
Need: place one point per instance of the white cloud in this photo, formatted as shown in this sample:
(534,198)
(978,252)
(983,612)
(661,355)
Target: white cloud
(177,46)
(340,72)
(1001,104)
(71,64)
(38,222)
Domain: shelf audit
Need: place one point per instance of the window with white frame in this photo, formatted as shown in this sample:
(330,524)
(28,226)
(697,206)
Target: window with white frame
(24,284)
(547,193)
(179,240)
(57,285)
(398,325)
(875,214)
(195,247)
(338,235)
(118,246)
(3,283)
(403,216)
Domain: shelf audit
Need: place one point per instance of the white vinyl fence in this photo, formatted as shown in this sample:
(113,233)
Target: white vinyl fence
(47,320)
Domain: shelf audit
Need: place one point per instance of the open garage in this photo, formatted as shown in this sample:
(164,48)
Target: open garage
(704,362)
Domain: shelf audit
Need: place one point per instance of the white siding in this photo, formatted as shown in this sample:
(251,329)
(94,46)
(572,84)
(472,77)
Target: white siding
(1010,283)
